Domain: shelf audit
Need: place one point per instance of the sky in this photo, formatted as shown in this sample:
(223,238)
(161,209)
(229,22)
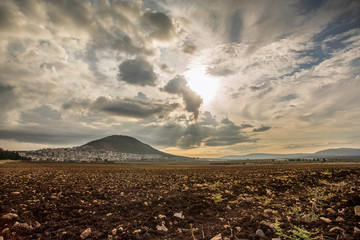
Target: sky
(199,78)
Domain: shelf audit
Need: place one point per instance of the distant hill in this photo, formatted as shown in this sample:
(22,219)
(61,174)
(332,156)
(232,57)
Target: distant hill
(339,152)
(259,156)
(124,144)
(328,153)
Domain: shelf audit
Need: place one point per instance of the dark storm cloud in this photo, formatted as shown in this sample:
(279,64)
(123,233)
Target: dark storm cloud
(158,25)
(69,13)
(189,48)
(208,119)
(134,108)
(193,136)
(288,97)
(126,107)
(245,125)
(179,86)
(41,114)
(102,39)
(227,140)
(48,134)
(224,133)
(7,19)
(227,133)
(235,28)
(262,129)
(141,95)
(137,72)
(7,100)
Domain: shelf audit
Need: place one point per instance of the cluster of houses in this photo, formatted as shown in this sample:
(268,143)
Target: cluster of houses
(86,154)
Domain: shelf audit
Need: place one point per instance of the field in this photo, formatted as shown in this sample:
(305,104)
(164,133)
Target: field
(84,201)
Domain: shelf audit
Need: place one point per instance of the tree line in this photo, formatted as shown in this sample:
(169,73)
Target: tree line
(5,154)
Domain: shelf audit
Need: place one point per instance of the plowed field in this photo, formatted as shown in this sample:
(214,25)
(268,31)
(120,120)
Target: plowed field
(83,201)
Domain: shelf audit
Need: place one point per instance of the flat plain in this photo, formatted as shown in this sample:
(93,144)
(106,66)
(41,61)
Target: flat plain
(140,201)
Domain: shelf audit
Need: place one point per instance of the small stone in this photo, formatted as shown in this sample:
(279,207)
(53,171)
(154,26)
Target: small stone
(161,228)
(85,233)
(238,229)
(260,233)
(114,231)
(15,193)
(1,238)
(327,220)
(356,230)
(179,215)
(331,211)
(217,237)
(269,224)
(340,219)
(137,231)
(161,216)
(36,224)
(5,231)
(10,216)
(357,210)
(22,225)
(337,229)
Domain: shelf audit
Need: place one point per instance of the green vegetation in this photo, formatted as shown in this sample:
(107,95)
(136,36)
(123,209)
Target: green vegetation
(217,197)
(319,194)
(4,154)
(297,233)
(264,200)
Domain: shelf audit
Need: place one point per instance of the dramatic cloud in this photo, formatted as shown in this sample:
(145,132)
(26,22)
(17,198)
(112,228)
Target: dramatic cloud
(262,129)
(224,133)
(158,25)
(72,71)
(189,48)
(135,107)
(179,86)
(137,72)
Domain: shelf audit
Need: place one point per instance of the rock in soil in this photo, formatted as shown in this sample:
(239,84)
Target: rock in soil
(357,210)
(327,220)
(10,216)
(217,237)
(22,225)
(260,233)
(85,233)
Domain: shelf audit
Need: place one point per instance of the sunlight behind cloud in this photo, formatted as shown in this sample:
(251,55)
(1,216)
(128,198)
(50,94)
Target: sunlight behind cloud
(202,83)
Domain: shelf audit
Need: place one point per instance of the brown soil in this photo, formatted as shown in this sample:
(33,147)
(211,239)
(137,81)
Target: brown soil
(60,201)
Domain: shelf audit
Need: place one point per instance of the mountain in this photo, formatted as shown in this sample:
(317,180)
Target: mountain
(327,153)
(259,156)
(339,152)
(124,144)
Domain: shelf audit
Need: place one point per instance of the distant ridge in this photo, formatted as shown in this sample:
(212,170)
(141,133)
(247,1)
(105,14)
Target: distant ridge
(124,144)
(327,153)
(339,152)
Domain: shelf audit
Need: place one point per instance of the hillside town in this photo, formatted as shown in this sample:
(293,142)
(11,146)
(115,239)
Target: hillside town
(86,154)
